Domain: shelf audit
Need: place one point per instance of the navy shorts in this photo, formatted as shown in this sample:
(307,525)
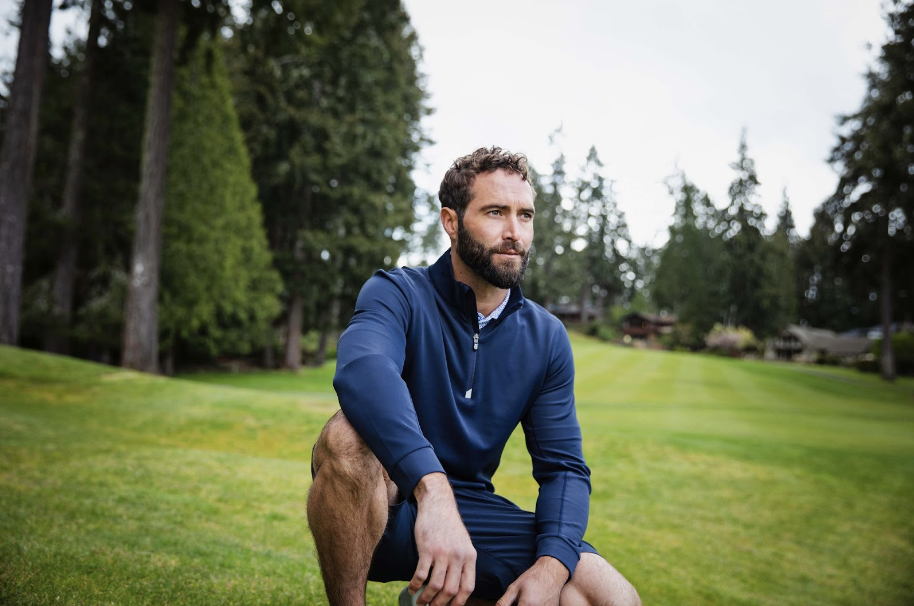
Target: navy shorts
(503,534)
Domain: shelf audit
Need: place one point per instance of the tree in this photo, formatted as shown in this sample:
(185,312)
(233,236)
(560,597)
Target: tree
(691,274)
(330,100)
(782,266)
(17,159)
(65,269)
(605,236)
(824,282)
(751,283)
(219,289)
(552,275)
(141,345)
(872,208)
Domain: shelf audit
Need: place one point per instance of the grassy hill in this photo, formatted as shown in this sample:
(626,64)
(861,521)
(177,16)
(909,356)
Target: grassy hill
(716,481)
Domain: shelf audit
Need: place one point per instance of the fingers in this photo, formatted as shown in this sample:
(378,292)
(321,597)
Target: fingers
(445,584)
(467,584)
(509,598)
(421,574)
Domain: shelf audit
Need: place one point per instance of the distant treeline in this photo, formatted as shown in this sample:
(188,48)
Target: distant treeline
(290,138)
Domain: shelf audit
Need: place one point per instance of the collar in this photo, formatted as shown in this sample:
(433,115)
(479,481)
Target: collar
(460,295)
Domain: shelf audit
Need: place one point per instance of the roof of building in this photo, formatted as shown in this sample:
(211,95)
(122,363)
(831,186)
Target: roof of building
(821,339)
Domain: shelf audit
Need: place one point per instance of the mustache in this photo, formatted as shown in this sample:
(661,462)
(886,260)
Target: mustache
(512,247)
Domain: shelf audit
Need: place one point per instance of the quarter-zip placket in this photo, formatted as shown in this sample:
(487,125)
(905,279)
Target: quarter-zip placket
(469,393)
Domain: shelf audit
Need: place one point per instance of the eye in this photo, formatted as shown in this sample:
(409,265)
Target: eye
(495,212)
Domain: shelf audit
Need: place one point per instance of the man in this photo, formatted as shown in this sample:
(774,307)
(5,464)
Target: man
(435,370)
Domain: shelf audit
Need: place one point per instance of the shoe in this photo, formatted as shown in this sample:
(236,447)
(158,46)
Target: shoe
(409,600)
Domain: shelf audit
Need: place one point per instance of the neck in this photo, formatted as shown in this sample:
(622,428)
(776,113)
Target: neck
(488,297)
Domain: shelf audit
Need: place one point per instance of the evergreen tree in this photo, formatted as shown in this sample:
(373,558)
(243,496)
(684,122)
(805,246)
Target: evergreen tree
(604,232)
(551,277)
(691,275)
(64,276)
(751,284)
(17,159)
(824,283)
(330,101)
(782,266)
(873,207)
(219,290)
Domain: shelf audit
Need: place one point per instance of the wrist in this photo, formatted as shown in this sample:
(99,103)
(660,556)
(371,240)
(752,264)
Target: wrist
(554,569)
(432,486)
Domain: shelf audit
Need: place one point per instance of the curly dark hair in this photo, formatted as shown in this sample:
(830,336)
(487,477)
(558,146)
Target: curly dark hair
(455,187)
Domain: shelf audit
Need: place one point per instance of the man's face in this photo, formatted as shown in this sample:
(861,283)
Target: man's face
(496,231)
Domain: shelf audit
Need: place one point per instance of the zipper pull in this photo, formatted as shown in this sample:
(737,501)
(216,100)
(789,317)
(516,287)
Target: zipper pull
(475,341)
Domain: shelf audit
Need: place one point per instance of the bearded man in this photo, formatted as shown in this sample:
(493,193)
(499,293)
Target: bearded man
(436,369)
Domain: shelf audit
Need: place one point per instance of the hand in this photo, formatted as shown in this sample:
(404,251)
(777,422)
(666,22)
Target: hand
(540,585)
(444,546)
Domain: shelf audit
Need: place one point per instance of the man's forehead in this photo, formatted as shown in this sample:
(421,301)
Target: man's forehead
(503,184)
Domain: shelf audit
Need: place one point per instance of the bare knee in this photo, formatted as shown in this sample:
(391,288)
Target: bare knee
(597,583)
(342,452)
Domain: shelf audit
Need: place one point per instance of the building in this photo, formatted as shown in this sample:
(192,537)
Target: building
(638,325)
(806,344)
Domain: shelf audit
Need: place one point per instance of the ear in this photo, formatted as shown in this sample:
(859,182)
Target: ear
(449,223)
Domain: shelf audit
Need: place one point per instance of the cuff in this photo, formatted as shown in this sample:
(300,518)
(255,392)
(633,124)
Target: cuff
(560,549)
(411,468)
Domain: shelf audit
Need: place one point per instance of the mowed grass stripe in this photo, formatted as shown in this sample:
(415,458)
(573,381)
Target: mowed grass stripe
(716,481)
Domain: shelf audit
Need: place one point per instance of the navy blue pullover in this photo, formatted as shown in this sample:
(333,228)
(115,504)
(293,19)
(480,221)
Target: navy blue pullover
(429,392)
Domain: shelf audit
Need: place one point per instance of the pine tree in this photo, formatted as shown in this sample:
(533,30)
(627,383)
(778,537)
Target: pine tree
(330,100)
(691,275)
(873,207)
(782,265)
(604,233)
(751,285)
(219,290)
(17,159)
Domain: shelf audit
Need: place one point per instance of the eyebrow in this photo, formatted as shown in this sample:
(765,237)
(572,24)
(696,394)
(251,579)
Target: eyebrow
(488,207)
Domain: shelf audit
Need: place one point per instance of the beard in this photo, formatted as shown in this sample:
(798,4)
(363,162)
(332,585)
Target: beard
(478,258)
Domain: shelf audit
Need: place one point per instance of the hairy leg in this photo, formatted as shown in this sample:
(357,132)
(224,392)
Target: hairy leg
(347,509)
(597,583)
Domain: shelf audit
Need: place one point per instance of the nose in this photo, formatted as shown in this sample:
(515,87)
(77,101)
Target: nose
(512,229)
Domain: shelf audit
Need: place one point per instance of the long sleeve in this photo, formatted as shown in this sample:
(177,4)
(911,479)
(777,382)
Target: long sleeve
(371,390)
(554,440)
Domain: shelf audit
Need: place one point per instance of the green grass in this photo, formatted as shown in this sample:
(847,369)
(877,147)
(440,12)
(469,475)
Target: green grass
(716,481)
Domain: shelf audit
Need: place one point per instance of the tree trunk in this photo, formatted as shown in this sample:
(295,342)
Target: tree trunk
(888,355)
(293,333)
(329,323)
(141,316)
(269,356)
(585,298)
(65,269)
(17,159)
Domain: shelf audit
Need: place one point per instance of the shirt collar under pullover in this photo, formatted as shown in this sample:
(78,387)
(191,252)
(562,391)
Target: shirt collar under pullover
(462,296)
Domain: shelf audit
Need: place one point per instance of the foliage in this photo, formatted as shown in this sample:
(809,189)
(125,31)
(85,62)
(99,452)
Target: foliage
(872,210)
(219,290)
(903,348)
(553,270)
(731,340)
(602,232)
(330,101)
(752,276)
(690,273)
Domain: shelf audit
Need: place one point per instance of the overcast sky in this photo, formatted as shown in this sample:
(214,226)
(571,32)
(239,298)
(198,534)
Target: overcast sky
(653,85)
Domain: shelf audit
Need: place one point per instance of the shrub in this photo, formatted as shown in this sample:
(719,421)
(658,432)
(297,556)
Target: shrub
(903,347)
(731,341)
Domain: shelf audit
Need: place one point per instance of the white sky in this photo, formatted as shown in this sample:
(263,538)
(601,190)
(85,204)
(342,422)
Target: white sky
(653,84)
